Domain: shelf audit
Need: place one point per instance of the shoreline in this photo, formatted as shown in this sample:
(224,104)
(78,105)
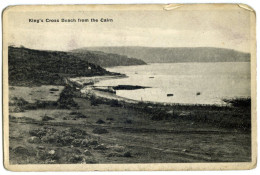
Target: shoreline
(90,89)
(93,128)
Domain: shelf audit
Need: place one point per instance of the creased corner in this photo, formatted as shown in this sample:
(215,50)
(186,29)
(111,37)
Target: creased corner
(172,6)
(246,7)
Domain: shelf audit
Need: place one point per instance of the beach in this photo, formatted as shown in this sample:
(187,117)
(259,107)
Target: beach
(100,127)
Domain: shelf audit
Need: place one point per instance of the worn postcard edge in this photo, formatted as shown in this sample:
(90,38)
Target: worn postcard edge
(138,166)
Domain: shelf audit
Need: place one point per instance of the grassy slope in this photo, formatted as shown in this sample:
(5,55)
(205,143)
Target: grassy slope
(27,66)
(106,59)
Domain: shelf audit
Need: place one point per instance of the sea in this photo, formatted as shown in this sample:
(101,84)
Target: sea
(184,83)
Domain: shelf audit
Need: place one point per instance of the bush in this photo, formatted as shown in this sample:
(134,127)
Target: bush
(110,118)
(127,154)
(100,131)
(94,101)
(128,121)
(115,103)
(66,98)
(16,101)
(100,121)
(54,89)
(47,118)
(76,159)
(239,102)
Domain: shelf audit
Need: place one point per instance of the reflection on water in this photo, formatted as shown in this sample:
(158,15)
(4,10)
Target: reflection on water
(193,83)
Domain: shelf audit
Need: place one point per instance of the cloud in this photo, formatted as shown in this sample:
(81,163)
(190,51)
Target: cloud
(189,29)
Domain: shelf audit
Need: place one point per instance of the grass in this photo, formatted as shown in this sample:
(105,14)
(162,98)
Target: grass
(239,102)
(128,132)
(35,93)
(237,114)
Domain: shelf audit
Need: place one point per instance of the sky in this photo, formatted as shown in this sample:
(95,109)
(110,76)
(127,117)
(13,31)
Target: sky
(219,28)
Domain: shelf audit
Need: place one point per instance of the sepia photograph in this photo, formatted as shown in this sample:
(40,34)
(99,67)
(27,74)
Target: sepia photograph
(129,87)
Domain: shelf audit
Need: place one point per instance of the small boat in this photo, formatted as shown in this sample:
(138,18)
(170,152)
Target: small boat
(198,93)
(151,77)
(169,95)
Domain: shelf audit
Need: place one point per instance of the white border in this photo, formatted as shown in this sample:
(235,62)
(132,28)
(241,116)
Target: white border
(254,4)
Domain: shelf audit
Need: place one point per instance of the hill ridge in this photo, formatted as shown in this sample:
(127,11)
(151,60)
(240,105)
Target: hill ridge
(175,54)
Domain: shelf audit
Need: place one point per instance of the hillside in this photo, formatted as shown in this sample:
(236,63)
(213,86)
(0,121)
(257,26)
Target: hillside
(178,54)
(105,59)
(35,67)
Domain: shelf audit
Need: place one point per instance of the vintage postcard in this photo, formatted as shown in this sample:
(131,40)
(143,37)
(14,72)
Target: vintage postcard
(129,87)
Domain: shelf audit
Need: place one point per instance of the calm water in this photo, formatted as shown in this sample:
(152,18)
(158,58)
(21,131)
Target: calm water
(214,81)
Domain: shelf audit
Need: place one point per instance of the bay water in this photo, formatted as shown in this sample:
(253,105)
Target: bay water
(188,83)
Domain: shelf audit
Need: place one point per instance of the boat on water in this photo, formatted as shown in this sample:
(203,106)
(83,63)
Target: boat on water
(151,77)
(198,93)
(169,95)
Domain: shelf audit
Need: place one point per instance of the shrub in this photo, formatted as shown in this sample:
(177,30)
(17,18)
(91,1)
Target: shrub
(115,103)
(127,154)
(100,131)
(94,100)
(239,102)
(100,121)
(47,118)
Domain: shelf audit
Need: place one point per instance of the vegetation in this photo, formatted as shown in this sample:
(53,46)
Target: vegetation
(235,116)
(34,67)
(66,98)
(110,130)
(239,102)
(106,59)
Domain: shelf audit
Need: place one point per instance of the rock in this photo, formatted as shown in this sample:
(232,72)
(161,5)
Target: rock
(34,139)
(101,147)
(51,152)
(184,150)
